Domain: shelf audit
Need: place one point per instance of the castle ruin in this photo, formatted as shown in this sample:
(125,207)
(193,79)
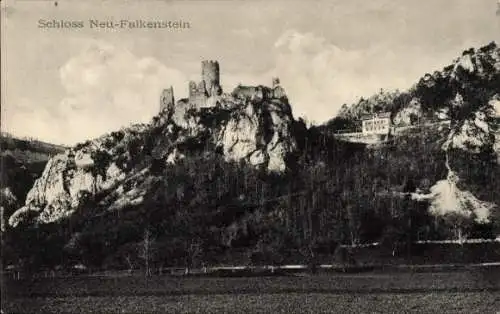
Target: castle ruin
(207,92)
(209,86)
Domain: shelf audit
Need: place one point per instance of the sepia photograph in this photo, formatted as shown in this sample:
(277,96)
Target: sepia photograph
(230,156)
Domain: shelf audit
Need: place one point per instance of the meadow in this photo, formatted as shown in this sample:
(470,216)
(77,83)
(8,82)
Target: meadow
(461,291)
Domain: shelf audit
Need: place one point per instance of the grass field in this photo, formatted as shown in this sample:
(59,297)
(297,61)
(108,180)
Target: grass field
(443,292)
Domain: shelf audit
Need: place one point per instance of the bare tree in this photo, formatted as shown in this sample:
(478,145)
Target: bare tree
(460,225)
(147,251)
(193,252)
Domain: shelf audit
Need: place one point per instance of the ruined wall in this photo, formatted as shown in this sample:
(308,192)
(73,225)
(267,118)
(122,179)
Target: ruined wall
(244,92)
(197,93)
(167,100)
(253,92)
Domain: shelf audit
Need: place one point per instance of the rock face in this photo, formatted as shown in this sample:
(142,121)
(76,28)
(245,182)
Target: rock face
(473,128)
(261,134)
(409,115)
(478,62)
(64,182)
(473,135)
(449,198)
(117,165)
(446,197)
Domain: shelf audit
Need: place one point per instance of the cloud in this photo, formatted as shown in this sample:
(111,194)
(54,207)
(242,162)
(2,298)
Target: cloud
(106,88)
(320,76)
(29,119)
(109,87)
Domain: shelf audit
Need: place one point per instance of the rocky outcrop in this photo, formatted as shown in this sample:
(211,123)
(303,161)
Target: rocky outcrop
(64,182)
(474,134)
(117,165)
(446,197)
(481,62)
(409,115)
(80,172)
(261,134)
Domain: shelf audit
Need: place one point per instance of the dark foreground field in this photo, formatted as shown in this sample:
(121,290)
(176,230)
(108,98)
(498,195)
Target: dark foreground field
(466,291)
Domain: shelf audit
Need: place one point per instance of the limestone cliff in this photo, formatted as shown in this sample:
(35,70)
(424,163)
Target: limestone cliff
(260,133)
(118,165)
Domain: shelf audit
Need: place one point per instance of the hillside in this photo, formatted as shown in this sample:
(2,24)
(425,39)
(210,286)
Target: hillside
(240,180)
(467,94)
(22,161)
(27,150)
(467,84)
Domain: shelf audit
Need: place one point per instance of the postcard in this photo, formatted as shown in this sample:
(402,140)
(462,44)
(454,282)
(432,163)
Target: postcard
(227,156)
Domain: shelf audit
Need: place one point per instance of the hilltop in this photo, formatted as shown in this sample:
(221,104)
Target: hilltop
(471,79)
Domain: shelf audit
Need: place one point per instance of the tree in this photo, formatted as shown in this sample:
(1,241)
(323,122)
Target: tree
(147,251)
(460,224)
(101,160)
(194,250)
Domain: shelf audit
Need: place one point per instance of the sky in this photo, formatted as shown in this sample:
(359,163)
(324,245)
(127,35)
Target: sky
(66,85)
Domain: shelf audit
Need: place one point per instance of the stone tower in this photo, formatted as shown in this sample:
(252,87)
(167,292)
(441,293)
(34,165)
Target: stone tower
(167,99)
(210,74)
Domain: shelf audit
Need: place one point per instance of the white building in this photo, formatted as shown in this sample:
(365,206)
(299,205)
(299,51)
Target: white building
(377,124)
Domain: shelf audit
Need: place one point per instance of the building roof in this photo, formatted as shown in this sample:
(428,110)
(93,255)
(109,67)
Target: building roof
(380,115)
